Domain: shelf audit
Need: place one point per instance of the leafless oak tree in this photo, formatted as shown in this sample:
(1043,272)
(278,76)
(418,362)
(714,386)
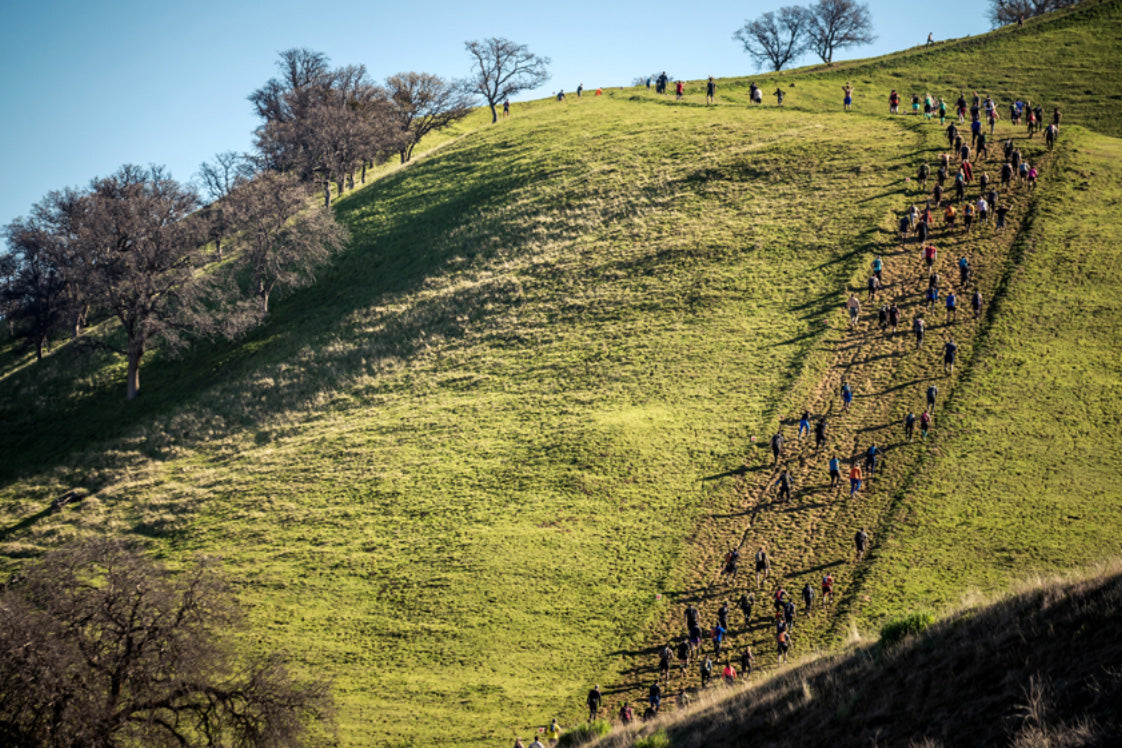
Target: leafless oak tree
(837,24)
(219,177)
(503,68)
(423,103)
(285,238)
(101,647)
(775,38)
(1003,12)
(142,258)
(323,123)
(33,292)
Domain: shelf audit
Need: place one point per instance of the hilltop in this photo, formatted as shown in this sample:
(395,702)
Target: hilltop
(485,459)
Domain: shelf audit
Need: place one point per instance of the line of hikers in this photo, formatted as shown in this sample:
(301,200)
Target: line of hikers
(914,222)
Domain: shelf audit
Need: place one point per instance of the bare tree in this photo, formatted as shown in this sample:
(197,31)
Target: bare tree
(142,259)
(323,123)
(219,177)
(503,69)
(1003,12)
(775,38)
(285,239)
(424,103)
(34,290)
(101,647)
(837,24)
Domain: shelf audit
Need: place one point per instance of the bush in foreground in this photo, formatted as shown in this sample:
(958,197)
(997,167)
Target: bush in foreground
(101,646)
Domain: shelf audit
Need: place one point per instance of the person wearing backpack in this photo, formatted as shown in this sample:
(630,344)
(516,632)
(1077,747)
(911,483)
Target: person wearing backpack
(835,471)
(732,563)
(706,672)
(808,597)
(654,696)
(950,352)
(819,433)
(747,660)
(763,565)
(684,652)
(872,454)
(861,543)
(783,643)
(777,446)
(828,588)
(664,657)
(847,396)
(594,699)
(924,424)
(746,602)
(854,480)
(785,482)
(909,425)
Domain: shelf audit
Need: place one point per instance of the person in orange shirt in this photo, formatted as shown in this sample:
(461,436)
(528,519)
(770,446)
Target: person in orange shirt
(854,479)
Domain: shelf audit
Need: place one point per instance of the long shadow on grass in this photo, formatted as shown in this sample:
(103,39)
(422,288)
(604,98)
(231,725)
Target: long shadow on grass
(402,234)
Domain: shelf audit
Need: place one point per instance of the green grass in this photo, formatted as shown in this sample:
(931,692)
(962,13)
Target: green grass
(454,475)
(1025,479)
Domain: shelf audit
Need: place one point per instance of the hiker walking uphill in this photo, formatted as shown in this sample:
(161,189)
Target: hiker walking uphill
(594,700)
(847,102)
(846,396)
(777,441)
(710,90)
(746,602)
(732,562)
(763,566)
(819,433)
(834,467)
(784,483)
(860,544)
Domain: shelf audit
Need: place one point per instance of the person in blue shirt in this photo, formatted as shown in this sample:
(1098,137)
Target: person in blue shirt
(952,307)
(878,268)
(835,471)
(950,352)
(804,425)
(872,454)
(910,425)
(718,638)
(963,270)
(932,296)
(847,396)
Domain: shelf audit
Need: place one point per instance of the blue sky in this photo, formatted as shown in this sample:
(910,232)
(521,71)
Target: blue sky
(92,85)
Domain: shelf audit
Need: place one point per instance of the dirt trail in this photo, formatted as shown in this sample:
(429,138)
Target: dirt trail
(813,534)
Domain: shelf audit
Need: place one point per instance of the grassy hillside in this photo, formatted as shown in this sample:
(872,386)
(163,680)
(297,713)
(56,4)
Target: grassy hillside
(1040,668)
(467,472)
(453,475)
(1026,480)
(1068,60)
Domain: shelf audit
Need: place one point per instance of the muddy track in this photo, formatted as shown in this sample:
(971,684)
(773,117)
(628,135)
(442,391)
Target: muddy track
(813,534)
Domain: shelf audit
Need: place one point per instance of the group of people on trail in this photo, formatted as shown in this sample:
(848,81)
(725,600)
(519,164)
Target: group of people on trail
(721,659)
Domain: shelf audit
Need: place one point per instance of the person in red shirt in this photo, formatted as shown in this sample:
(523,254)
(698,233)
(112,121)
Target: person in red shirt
(680,88)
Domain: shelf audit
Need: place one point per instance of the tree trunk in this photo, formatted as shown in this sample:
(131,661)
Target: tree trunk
(364,171)
(494,115)
(136,350)
(351,179)
(403,155)
(327,193)
(39,348)
(218,248)
(339,187)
